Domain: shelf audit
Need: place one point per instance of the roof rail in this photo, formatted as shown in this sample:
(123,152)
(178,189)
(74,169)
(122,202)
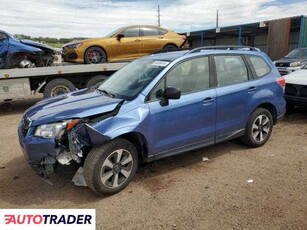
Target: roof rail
(170,50)
(223,47)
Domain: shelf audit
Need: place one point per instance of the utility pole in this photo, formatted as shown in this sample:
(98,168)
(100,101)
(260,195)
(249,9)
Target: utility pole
(159,24)
(217,18)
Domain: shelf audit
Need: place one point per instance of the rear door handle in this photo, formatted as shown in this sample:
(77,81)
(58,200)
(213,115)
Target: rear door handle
(137,40)
(252,89)
(208,101)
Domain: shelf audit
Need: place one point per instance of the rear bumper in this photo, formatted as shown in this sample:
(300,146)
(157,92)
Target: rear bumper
(185,44)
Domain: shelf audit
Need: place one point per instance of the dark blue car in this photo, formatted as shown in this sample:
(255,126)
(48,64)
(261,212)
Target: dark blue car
(16,53)
(154,107)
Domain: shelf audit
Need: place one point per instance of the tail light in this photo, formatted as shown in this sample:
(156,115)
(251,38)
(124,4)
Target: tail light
(282,82)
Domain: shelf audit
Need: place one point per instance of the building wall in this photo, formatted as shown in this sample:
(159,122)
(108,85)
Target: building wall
(260,41)
(293,41)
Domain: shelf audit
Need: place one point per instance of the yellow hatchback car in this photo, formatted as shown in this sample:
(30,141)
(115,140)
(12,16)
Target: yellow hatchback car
(126,43)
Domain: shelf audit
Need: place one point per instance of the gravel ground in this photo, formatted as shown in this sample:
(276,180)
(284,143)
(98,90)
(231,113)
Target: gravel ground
(180,192)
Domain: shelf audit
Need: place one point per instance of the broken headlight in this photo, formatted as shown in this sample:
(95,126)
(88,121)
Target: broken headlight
(53,130)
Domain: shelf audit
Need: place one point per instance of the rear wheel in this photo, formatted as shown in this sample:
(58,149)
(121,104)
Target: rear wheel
(259,128)
(95,55)
(110,167)
(57,87)
(169,47)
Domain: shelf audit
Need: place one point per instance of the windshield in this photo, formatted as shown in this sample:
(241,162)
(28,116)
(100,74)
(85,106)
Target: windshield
(129,81)
(298,53)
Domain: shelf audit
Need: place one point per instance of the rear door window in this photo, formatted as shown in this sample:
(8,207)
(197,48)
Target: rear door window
(230,69)
(131,32)
(162,31)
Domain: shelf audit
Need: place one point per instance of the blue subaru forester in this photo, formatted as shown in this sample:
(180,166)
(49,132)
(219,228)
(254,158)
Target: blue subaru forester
(154,107)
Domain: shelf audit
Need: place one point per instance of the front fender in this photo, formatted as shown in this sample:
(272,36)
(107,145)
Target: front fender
(124,122)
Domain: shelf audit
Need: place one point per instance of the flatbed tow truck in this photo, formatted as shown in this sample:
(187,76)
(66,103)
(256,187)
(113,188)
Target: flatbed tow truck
(17,84)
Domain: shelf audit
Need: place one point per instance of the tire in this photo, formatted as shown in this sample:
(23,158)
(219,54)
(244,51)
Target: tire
(259,128)
(95,55)
(96,81)
(103,160)
(58,86)
(169,48)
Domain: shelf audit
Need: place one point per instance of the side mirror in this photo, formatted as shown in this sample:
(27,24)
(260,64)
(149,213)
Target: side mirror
(120,36)
(170,93)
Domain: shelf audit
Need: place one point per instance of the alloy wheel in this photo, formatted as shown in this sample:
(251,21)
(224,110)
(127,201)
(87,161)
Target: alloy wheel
(116,168)
(261,128)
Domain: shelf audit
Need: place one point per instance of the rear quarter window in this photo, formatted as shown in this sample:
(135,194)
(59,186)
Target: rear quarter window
(162,31)
(150,31)
(259,65)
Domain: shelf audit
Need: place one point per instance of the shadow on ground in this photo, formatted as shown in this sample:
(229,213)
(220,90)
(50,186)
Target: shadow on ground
(19,185)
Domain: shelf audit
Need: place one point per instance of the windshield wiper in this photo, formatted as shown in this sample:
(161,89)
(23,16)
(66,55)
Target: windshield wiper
(106,92)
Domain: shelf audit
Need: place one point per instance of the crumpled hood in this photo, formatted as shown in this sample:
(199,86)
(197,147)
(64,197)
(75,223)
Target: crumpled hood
(77,104)
(298,77)
(37,45)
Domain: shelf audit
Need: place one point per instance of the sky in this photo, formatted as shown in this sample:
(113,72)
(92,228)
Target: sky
(96,18)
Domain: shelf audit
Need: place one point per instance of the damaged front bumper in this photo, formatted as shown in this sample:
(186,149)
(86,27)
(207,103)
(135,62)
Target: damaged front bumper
(44,153)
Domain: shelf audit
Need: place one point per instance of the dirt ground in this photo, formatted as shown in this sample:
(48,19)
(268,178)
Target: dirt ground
(180,192)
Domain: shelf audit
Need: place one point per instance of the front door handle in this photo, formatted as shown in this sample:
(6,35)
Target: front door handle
(252,89)
(208,101)
(137,40)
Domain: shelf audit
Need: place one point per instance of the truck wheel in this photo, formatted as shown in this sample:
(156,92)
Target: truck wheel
(95,55)
(57,87)
(96,81)
(259,128)
(110,167)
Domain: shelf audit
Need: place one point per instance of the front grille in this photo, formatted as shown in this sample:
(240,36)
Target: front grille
(25,125)
(296,90)
(282,64)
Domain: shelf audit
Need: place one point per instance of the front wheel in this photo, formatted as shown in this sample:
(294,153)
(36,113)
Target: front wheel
(95,55)
(259,128)
(110,167)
